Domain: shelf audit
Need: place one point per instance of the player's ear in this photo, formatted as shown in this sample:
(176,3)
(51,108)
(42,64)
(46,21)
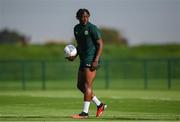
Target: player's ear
(77,18)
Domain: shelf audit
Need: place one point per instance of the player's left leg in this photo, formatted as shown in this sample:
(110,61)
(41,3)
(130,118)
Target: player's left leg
(88,86)
(88,96)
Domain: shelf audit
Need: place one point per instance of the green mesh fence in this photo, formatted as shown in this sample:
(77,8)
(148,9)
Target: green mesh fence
(113,74)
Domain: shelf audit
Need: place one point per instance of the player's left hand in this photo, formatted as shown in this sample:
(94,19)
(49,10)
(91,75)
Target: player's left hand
(94,65)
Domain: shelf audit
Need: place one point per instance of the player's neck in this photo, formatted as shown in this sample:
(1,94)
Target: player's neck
(84,24)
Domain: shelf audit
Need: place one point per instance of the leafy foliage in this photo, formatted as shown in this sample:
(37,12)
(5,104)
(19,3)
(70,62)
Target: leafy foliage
(55,52)
(12,37)
(113,36)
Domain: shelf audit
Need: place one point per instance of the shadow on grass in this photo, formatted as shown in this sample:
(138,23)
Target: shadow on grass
(68,118)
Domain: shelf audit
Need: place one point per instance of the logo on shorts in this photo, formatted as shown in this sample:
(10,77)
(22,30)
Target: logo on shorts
(88,65)
(86,32)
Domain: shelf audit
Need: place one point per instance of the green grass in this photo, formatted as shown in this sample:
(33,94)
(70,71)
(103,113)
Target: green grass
(58,105)
(100,83)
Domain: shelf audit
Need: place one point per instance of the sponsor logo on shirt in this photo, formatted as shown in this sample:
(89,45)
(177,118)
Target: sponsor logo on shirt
(86,32)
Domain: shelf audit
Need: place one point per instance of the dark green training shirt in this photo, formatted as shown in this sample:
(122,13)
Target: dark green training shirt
(86,37)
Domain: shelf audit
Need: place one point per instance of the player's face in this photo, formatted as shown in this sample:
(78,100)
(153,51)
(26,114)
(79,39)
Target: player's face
(84,18)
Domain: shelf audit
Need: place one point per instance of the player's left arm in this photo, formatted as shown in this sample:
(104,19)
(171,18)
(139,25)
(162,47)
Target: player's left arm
(95,62)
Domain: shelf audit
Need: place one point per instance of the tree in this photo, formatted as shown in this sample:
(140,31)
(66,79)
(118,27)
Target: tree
(113,36)
(12,37)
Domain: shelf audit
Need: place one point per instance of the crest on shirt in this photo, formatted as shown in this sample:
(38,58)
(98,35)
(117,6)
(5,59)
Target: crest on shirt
(86,32)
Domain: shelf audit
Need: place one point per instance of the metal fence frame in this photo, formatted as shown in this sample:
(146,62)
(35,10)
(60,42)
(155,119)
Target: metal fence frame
(106,66)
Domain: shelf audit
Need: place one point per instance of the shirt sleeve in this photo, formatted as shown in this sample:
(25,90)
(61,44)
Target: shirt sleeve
(75,33)
(95,33)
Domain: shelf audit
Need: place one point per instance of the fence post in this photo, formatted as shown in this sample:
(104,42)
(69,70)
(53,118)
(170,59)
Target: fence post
(169,73)
(124,69)
(43,70)
(1,70)
(106,71)
(23,75)
(145,75)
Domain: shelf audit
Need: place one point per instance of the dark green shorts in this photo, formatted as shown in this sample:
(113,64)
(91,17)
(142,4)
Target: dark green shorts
(86,65)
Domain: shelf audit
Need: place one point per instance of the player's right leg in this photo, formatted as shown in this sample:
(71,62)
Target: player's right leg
(80,81)
(85,82)
(81,87)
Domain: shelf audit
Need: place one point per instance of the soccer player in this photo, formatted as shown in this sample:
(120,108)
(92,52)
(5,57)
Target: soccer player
(89,48)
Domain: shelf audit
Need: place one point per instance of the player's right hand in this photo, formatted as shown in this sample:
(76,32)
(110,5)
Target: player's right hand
(71,58)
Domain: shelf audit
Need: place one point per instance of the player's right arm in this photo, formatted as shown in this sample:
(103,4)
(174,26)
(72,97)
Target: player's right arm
(72,58)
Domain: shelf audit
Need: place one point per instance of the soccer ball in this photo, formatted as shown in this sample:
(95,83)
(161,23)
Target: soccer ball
(70,50)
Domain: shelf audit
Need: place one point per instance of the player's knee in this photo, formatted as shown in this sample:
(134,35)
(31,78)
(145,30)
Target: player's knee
(88,89)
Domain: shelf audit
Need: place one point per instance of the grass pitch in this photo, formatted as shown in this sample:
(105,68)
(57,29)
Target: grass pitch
(59,105)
